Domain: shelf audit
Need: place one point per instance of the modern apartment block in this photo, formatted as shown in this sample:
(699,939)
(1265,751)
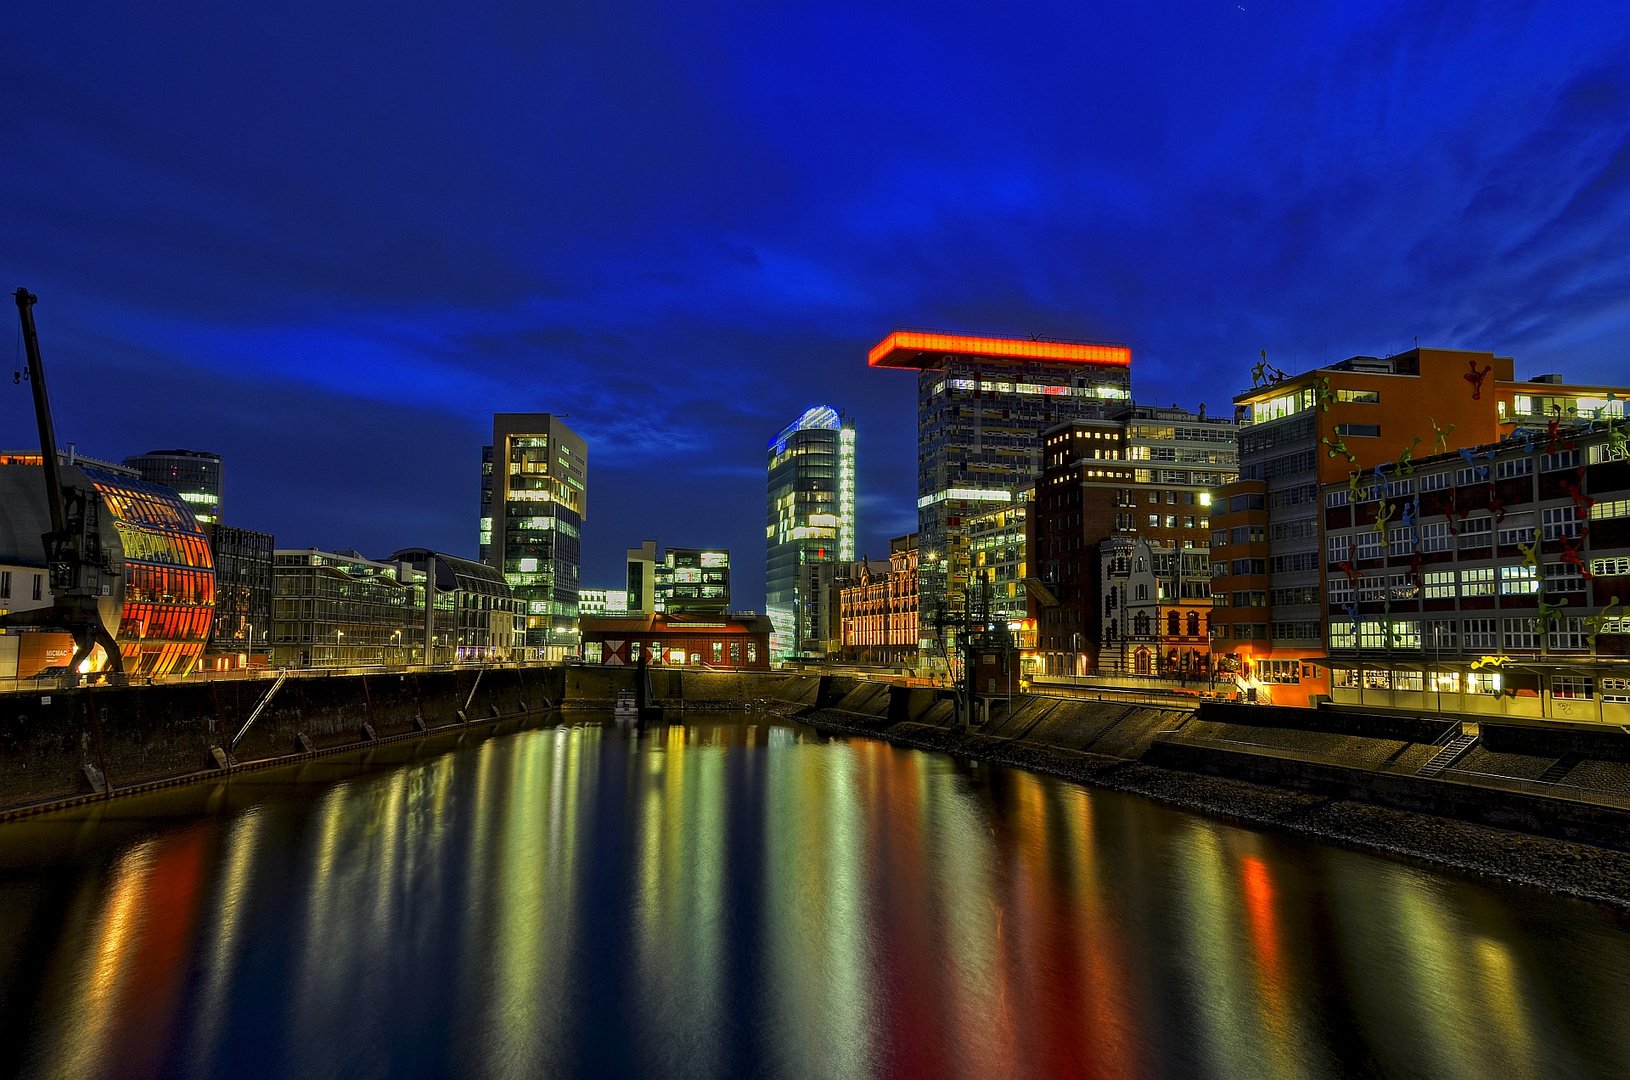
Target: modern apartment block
(810,515)
(534,499)
(678,581)
(694,581)
(193,474)
(983,403)
(338,609)
(1144,472)
(1336,425)
(1491,583)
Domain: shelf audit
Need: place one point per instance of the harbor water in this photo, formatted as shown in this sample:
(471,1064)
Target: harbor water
(738,896)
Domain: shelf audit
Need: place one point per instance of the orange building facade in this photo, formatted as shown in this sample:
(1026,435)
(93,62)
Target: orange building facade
(1338,424)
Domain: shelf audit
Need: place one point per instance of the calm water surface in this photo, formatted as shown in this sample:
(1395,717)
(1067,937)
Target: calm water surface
(734,898)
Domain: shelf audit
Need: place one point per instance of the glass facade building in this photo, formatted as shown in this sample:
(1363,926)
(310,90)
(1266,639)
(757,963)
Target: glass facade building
(338,609)
(193,474)
(997,549)
(534,498)
(982,405)
(243,590)
(810,516)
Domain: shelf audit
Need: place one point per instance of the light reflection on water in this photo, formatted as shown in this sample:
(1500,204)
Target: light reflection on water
(740,898)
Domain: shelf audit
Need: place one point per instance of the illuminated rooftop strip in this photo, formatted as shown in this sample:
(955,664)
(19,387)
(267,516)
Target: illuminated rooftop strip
(898,349)
(1113,393)
(968,494)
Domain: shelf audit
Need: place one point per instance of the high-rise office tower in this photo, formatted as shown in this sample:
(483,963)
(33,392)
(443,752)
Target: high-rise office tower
(194,474)
(534,497)
(811,515)
(982,405)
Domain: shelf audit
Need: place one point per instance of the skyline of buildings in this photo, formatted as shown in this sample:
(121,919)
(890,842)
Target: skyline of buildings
(1145,542)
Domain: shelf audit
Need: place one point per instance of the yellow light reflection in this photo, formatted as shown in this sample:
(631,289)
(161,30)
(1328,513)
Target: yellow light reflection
(79,1046)
(679,913)
(818,933)
(209,1013)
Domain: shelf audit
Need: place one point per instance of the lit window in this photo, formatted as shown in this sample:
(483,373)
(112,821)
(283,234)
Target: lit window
(1570,686)
(1518,580)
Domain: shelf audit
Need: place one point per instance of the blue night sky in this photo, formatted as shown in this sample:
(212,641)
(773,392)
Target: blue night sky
(329,242)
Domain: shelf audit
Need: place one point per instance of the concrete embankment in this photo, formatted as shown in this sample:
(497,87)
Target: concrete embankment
(59,746)
(1545,807)
(1542,807)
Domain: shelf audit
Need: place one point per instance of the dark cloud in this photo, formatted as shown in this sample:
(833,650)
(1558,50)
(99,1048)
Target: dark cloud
(330,240)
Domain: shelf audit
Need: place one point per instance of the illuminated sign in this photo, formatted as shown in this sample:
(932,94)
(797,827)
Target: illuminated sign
(903,348)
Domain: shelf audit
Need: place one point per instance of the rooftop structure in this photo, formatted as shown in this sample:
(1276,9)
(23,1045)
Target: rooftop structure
(909,347)
(983,403)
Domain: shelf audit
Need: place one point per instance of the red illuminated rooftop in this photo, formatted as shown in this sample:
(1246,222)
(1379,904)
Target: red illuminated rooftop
(909,347)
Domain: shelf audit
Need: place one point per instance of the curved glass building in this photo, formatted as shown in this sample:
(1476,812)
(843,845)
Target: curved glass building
(156,575)
(810,517)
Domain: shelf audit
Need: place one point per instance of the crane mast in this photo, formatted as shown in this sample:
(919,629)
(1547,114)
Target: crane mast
(73,545)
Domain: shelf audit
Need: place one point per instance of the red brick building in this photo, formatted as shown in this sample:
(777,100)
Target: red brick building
(719,643)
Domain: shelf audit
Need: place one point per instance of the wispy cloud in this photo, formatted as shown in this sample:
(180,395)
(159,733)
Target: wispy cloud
(368,230)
